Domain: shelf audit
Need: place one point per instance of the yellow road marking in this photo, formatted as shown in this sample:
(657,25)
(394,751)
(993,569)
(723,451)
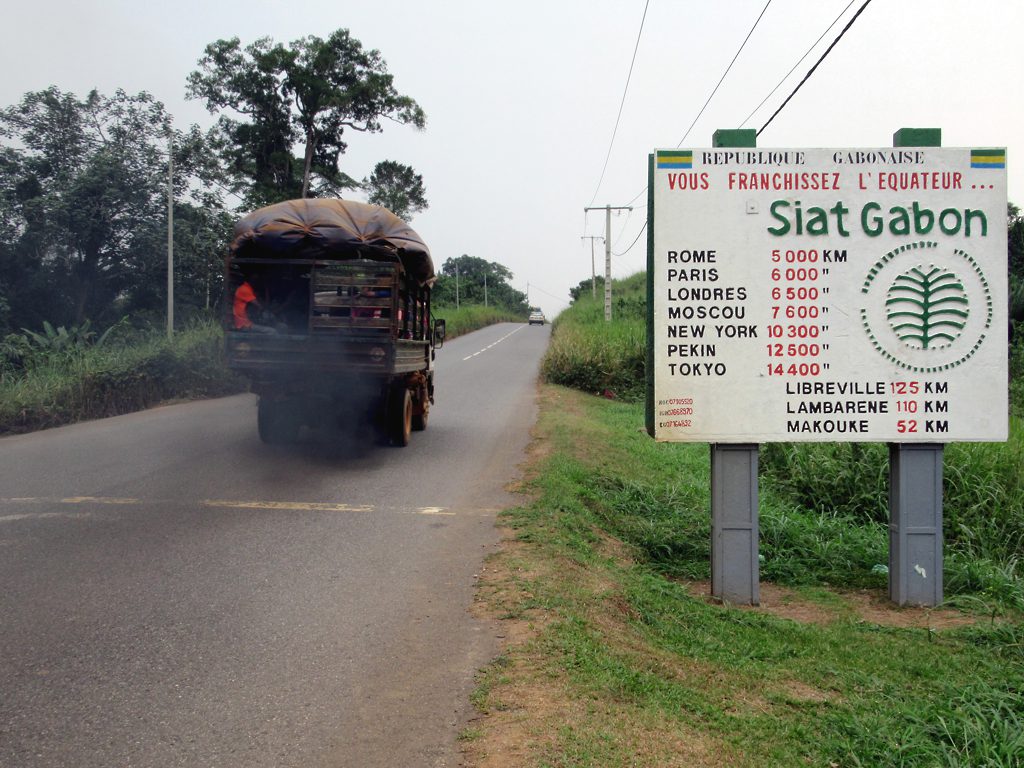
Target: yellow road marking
(97,500)
(290,505)
(298,506)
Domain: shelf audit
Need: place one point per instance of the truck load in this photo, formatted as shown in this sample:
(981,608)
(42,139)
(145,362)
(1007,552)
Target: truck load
(330,318)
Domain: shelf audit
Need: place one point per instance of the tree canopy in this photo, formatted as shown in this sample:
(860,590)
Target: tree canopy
(308,92)
(472,272)
(83,205)
(398,188)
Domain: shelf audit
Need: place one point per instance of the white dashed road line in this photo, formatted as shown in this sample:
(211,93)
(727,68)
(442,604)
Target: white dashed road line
(489,346)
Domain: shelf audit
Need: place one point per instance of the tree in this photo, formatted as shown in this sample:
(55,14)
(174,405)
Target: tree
(310,91)
(471,274)
(398,188)
(1015,260)
(83,203)
(587,288)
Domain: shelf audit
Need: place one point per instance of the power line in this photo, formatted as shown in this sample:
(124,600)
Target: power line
(642,230)
(550,296)
(621,104)
(724,74)
(811,72)
(720,80)
(808,53)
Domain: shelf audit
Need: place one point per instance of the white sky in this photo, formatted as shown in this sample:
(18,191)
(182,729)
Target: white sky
(521,97)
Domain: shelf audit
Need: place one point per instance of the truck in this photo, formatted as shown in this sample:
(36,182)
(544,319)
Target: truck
(330,318)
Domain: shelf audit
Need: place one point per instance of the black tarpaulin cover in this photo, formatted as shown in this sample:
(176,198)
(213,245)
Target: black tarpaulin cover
(327,228)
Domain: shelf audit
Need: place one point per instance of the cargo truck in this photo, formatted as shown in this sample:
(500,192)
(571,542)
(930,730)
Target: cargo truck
(330,318)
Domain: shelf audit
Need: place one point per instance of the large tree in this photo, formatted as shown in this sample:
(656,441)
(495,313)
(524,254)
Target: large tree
(398,188)
(83,203)
(309,91)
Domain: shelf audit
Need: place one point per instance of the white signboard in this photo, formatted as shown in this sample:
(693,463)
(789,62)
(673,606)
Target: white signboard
(829,295)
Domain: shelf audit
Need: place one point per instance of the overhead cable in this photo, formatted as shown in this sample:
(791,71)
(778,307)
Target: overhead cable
(642,229)
(722,78)
(724,74)
(621,105)
(811,72)
(799,62)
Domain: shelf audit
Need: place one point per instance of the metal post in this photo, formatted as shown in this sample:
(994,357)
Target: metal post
(915,523)
(915,487)
(735,572)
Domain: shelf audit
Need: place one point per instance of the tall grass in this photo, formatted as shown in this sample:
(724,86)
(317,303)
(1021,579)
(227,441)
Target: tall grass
(94,382)
(472,317)
(601,357)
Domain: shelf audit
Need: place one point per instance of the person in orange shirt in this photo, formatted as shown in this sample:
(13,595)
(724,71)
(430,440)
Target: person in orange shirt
(245,297)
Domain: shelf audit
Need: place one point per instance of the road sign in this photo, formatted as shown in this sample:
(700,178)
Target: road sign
(829,295)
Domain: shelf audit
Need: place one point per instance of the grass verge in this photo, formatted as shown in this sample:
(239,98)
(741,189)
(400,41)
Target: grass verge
(617,657)
(473,317)
(108,380)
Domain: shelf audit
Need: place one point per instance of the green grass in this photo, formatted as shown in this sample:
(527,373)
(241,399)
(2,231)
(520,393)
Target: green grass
(617,529)
(472,317)
(106,380)
(612,566)
(600,357)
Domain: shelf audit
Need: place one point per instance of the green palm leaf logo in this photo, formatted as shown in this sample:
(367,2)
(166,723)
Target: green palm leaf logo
(927,308)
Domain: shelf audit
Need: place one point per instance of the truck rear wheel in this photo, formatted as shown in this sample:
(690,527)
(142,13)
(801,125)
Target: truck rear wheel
(277,422)
(419,421)
(400,416)
(420,412)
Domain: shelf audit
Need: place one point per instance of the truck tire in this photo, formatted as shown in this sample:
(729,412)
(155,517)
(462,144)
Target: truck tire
(277,422)
(419,421)
(400,416)
(422,405)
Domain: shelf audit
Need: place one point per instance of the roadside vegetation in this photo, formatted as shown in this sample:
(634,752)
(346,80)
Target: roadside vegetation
(60,376)
(473,317)
(618,656)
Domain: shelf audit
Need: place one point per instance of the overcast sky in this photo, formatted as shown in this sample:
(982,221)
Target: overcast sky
(521,98)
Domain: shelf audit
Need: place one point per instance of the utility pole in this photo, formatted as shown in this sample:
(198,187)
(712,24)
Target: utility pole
(456,285)
(485,289)
(170,234)
(608,254)
(593,274)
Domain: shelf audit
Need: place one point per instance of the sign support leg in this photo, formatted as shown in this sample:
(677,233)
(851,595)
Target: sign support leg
(735,575)
(915,487)
(915,523)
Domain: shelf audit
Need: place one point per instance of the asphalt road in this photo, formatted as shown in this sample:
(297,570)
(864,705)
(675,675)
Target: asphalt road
(175,593)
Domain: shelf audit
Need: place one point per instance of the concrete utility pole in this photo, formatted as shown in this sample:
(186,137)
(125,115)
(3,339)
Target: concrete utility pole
(170,234)
(456,285)
(593,274)
(608,254)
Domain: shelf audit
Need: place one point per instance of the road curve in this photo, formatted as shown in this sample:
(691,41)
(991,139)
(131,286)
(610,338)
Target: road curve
(175,593)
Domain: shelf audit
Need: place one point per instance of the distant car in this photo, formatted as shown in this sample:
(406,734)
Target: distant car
(537,317)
